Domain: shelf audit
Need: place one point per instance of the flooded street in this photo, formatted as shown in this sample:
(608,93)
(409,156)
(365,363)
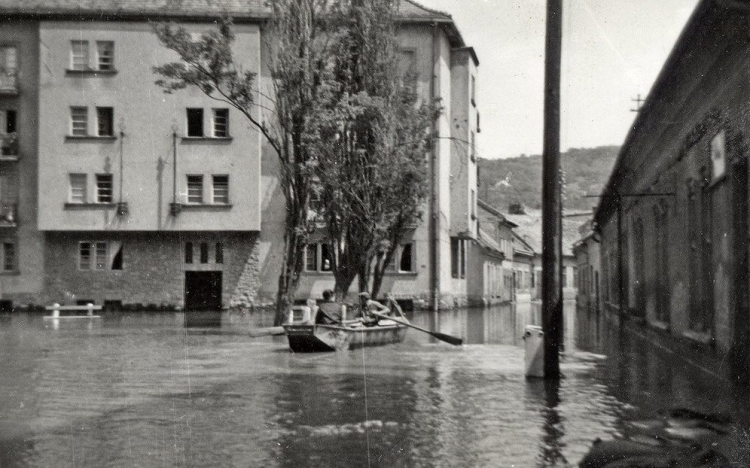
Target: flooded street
(145,390)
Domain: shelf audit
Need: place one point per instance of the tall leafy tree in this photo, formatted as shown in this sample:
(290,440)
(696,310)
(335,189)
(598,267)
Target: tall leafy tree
(299,70)
(374,136)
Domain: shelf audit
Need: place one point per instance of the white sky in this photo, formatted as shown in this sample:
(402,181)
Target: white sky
(612,50)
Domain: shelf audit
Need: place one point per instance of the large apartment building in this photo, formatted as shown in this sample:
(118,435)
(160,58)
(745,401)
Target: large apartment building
(111,190)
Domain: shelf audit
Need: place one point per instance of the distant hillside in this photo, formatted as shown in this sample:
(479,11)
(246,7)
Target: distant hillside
(514,180)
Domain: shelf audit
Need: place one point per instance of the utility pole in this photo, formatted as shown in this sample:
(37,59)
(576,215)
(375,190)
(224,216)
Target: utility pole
(552,305)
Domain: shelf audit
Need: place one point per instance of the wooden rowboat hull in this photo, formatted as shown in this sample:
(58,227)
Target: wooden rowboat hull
(305,338)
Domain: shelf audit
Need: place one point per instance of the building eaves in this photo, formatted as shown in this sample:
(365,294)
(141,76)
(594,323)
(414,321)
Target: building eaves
(495,212)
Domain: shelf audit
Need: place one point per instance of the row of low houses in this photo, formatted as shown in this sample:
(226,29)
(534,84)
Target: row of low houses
(116,193)
(668,246)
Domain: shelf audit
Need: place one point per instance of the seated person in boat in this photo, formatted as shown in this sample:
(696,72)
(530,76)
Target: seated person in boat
(367,305)
(329,312)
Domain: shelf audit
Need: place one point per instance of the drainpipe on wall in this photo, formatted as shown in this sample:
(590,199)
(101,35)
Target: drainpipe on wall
(435,212)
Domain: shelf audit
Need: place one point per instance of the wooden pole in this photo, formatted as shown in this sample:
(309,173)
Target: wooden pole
(551,197)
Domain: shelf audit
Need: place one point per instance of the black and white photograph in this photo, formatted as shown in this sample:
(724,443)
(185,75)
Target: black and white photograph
(375,233)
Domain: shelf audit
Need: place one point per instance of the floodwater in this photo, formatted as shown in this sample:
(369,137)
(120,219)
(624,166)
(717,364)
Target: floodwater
(146,390)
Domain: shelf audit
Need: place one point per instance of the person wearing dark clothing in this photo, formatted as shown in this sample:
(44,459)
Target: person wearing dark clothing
(329,312)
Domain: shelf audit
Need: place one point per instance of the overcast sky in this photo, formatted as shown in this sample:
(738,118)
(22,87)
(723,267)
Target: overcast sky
(612,50)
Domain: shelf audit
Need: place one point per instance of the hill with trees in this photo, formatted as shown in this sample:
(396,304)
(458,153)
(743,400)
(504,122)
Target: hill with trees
(519,180)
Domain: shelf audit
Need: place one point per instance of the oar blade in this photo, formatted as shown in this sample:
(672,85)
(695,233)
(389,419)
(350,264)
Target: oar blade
(455,341)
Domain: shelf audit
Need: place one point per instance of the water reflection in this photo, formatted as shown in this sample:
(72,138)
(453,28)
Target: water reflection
(167,390)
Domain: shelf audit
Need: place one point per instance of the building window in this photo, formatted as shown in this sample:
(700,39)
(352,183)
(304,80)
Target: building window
(195,189)
(472,147)
(219,252)
(221,189)
(10,257)
(100,255)
(8,61)
(473,90)
(104,121)
(326,257)
(311,257)
(221,123)
(406,259)
(10,121)
(718,155)
(204,252)
(195,122)
(79,55)
(78,188)
(473,202)
(188,252)
(79,121)
(458,258)
(104,188)
(105,51)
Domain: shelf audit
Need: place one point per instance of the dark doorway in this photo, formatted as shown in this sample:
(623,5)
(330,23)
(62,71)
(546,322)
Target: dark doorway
(202,290)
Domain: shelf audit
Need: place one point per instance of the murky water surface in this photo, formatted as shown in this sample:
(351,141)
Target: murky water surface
(145,390)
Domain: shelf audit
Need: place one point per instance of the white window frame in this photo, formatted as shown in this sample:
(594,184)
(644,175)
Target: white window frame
(8,54)
(190,198)
(79,60)
(105,55)
(101,188)
(73,188)
(222,199)
(98,256)
(79,121)
(220,123)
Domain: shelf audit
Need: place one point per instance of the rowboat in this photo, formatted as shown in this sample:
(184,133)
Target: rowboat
(310,338)
(307,337)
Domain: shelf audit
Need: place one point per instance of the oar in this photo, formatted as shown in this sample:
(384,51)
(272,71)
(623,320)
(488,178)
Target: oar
(268,331)
(455,341)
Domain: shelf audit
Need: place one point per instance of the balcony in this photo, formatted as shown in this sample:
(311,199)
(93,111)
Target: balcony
(8,82)
(8,214)
(9,147)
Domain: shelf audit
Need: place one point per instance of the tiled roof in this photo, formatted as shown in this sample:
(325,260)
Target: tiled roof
(248,9)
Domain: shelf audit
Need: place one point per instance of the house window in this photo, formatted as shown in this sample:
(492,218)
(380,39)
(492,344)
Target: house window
(79,55)
(326,257)
(10,261)
(188,252)
(195,122)
(8,60)
(473,90)
(100,255)
(406,259)
(221,123)
(221,189)
(718,155)
(104,188)
(195,189)
(84,256)
(78,188)
(104,120)
(10,121)
(105,51)
(458,258)
(472,147)
(78,121)
(311,257)
(473,202)
(204,252)
(219,252)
